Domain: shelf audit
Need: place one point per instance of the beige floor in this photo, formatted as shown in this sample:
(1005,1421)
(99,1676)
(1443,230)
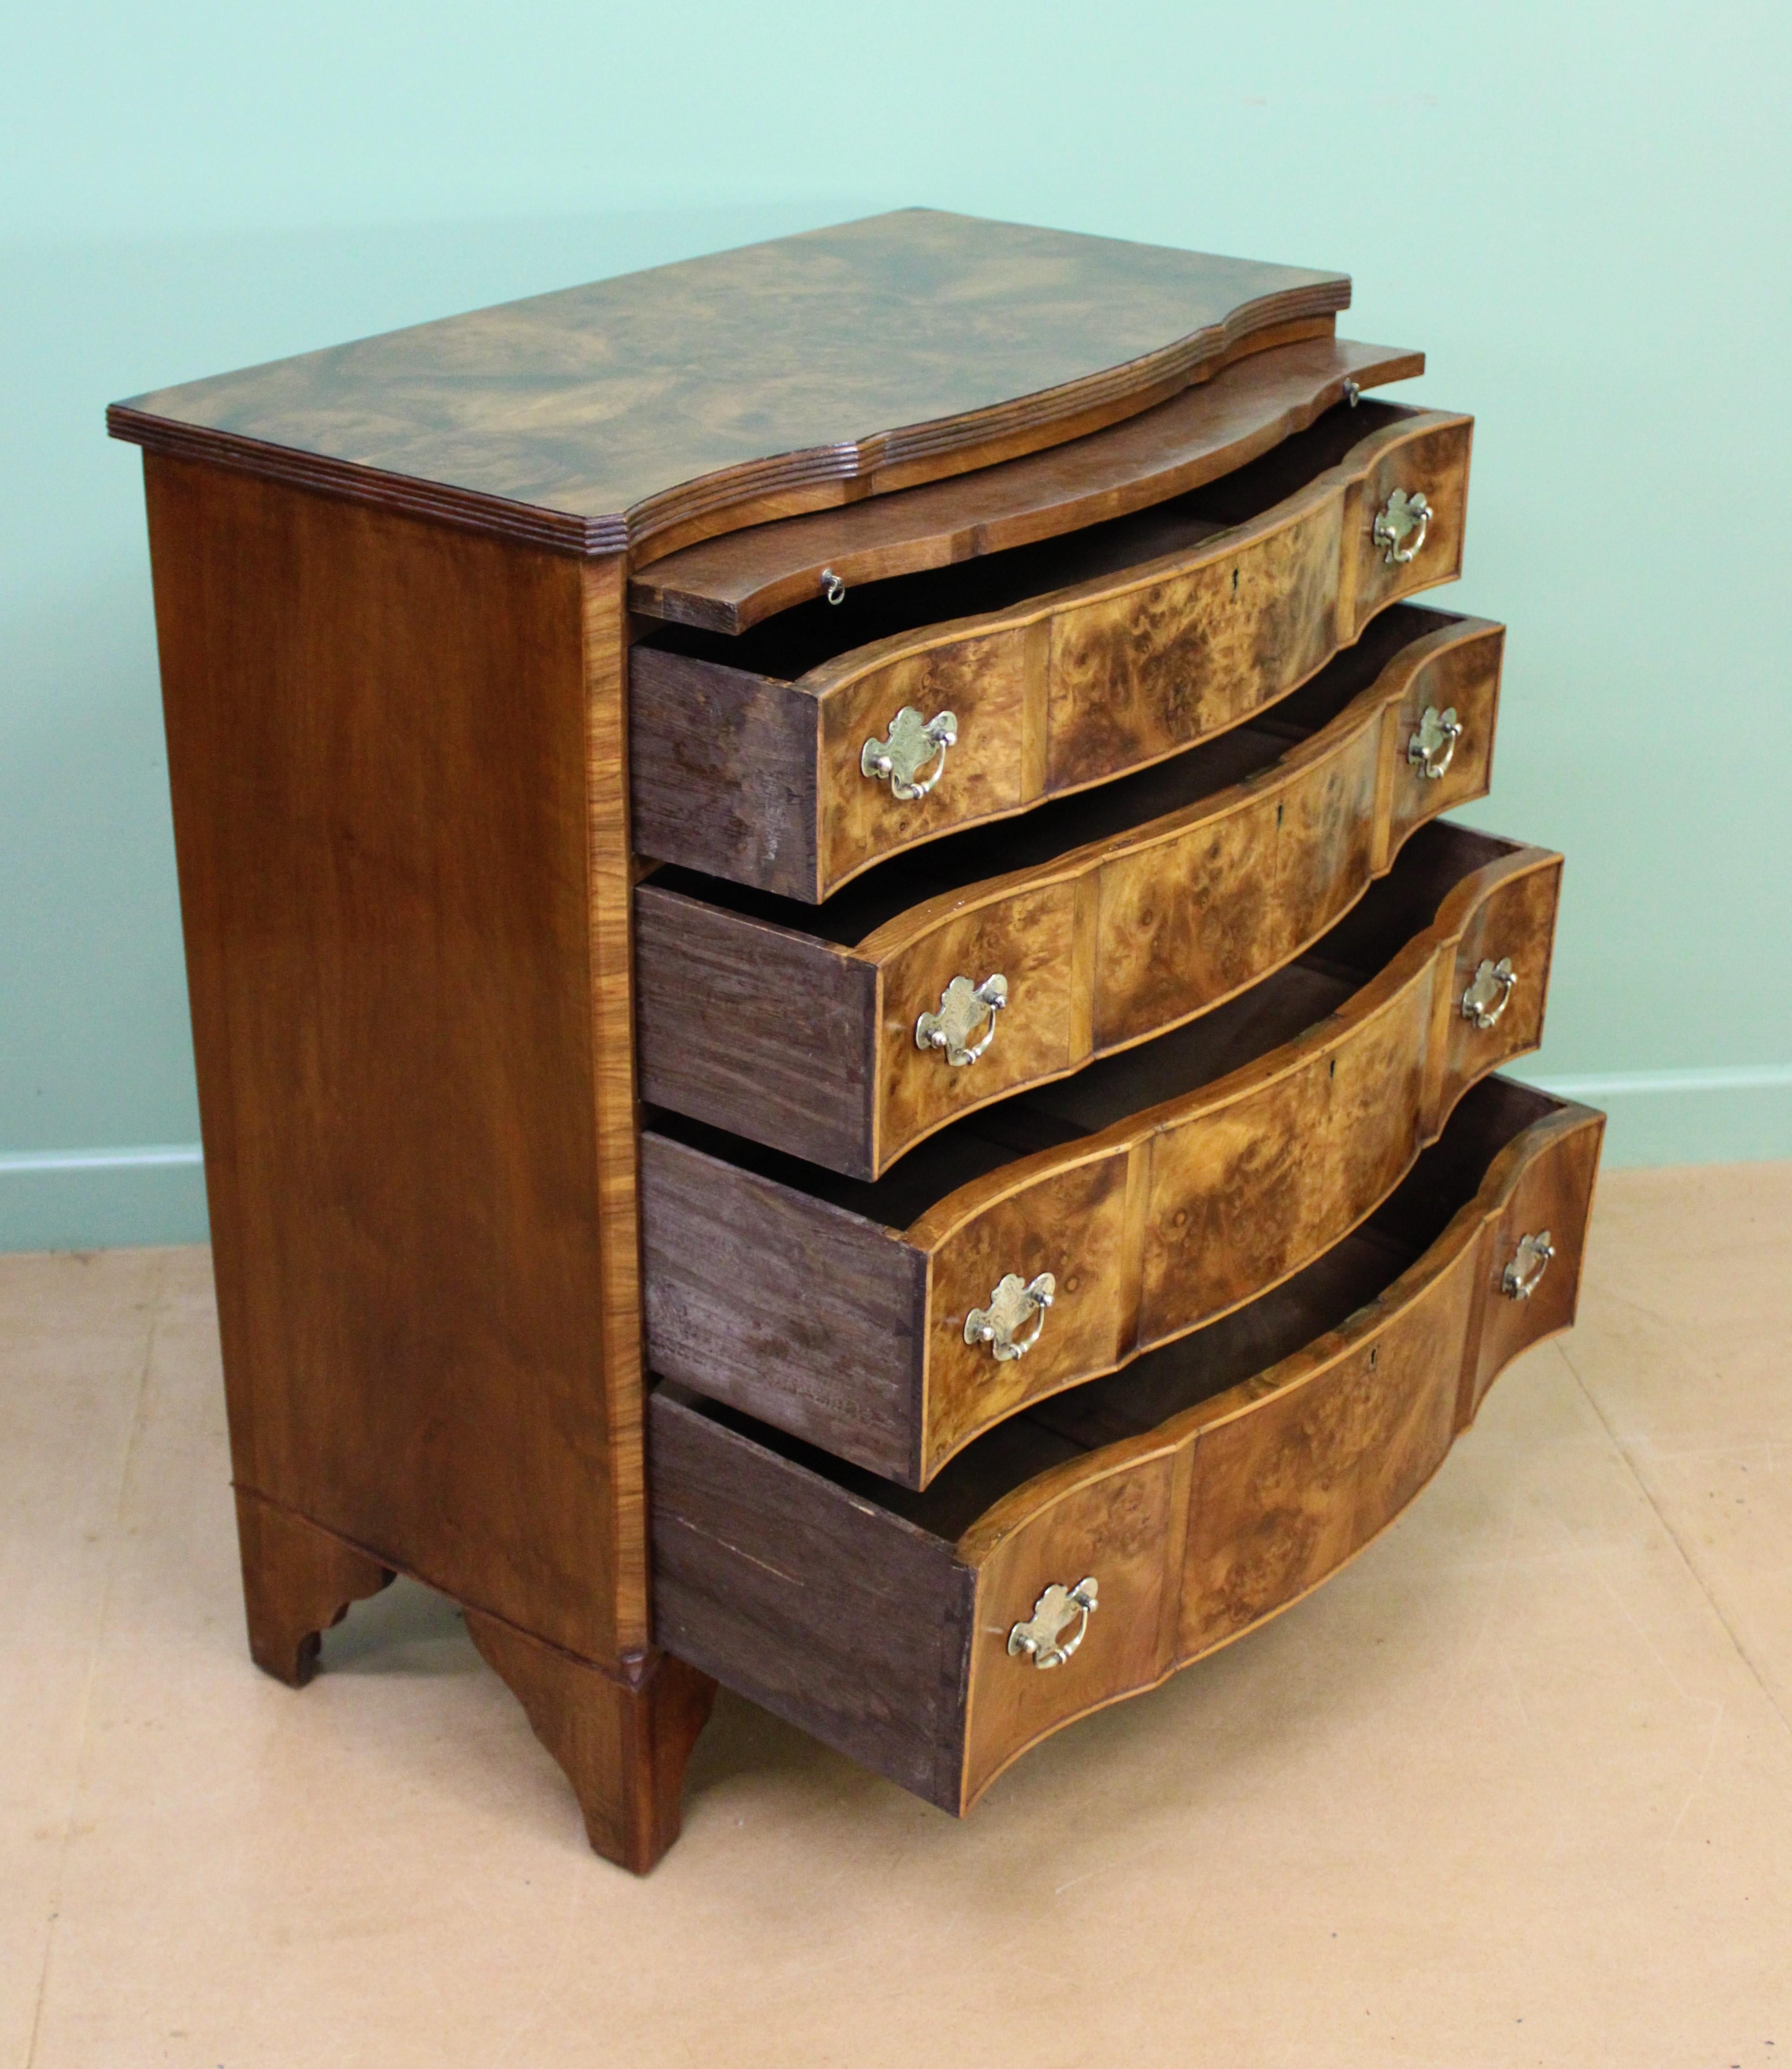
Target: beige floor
(1516,1788)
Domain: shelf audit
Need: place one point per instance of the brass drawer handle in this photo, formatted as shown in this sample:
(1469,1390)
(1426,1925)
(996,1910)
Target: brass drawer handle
(1399,518)
(1489,992)
(963,1008)
(1012,1305)
(1525,1272)
(1040,1638)
(910,743)
(1433,745)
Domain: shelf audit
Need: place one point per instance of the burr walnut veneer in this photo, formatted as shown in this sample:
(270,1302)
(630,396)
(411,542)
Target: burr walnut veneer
(853,825)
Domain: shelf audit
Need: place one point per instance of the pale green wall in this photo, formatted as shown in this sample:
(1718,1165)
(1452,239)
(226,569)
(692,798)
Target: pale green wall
(1580,211)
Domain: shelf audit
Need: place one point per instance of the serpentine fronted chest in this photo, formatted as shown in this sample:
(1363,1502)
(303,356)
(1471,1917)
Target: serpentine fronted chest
(842,1047)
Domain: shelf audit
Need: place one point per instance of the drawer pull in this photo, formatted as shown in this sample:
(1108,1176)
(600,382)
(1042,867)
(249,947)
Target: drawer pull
(1011,1306)
(833,586)
(963,1007)
(911,743)
(1489,992)
(1525,1272)
(1040,1638)
(1399,519)
(1431,748)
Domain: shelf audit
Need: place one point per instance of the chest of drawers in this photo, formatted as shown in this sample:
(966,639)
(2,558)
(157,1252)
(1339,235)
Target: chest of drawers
(841,1046)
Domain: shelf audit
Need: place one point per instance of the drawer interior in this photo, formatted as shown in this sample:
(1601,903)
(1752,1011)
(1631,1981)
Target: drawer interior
(1062,825)
(1164,1383)
(1369,937)
(795,641)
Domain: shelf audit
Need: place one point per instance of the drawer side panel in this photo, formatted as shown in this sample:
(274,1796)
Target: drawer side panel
(722,772)
(836,1615)
(783,1305)
(757,1029)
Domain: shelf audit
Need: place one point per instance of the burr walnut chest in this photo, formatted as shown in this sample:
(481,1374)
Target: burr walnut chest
(842,1045)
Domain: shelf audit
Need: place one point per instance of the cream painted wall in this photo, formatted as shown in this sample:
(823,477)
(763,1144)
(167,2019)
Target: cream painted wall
(1579,211)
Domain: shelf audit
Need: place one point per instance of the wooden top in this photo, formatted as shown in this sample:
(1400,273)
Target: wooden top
(780,376)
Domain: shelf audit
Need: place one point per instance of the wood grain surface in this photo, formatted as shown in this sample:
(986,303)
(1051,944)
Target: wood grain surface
(733,582)
(1291,1471)
(622,1743)
(726,390)
(853,1623)
(1165,1185)
(1221,866)
(722,772)
(757,1027)
(1065,662)
(608,971)
(298,1583)
(1280,1450)
(395,753)
(812,1314)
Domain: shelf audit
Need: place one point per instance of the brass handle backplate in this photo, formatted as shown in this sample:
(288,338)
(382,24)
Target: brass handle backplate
(910,743)
(1433,742)
(1489,992)
(1040,1638)
(1400,518)
(964,1008)
(1011,1306)
(1526,1270)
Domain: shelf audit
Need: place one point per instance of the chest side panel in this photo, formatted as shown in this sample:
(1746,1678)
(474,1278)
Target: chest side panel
(379,743)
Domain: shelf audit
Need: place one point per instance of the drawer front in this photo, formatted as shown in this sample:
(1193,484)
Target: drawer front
(1229,1190)
(1283,1478)
(1116,675)
(1063,690)
(1120,1524)
(1284,1489)
(1028,937)
(937,1645)
(1531,1276)
(1387,561)
(1500,985)
(1247,1189)
(1149,1228)
(810,1047)
(984,675)
(1132,676)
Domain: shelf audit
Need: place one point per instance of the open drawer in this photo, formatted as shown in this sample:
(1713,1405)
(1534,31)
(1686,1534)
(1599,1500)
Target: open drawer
(801,752)
(1051,1238)
(1089,1547)
(1003,956)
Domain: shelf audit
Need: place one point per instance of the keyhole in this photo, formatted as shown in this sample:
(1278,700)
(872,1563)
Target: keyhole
(1235,582)
(1332,1071)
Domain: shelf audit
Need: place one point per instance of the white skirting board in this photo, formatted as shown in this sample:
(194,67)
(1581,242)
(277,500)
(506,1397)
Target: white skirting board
(101,1199)
(97,1199)
(1731,1114)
